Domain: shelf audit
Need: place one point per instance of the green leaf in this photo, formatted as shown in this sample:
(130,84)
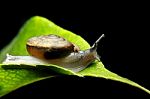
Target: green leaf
(11,79)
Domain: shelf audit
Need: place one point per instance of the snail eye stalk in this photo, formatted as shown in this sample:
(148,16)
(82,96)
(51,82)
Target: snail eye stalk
(94,47)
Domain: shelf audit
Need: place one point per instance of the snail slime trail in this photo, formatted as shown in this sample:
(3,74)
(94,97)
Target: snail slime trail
(53,49)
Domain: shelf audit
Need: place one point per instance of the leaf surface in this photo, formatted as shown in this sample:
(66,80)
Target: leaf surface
(11,79)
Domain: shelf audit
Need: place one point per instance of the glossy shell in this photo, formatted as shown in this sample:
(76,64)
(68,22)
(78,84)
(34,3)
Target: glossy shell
(50,47)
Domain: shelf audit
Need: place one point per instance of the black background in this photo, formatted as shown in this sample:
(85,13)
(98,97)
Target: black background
(124,50)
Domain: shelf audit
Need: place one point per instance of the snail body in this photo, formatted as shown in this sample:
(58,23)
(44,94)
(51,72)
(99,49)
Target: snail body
(53,49)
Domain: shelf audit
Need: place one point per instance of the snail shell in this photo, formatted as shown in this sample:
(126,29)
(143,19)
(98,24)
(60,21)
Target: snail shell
(50,47)
(53,49)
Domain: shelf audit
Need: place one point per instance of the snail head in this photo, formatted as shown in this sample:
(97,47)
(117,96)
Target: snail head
(95,45)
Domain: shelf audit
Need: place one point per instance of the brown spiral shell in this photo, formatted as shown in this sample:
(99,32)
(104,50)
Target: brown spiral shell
(50,47)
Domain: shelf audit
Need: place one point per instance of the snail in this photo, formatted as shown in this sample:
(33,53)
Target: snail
(53,49)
